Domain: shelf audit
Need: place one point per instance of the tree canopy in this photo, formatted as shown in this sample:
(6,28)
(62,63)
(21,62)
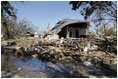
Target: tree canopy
(101,8)
(7,10)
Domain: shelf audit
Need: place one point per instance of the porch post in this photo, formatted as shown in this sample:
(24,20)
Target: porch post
(67,33)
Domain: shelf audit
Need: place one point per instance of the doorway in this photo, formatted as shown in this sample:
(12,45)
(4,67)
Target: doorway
(77,33)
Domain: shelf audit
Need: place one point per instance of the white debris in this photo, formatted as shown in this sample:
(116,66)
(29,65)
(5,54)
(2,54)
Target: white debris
(62,39)
(87,63)
(19,69)
(35,34)
(86,48)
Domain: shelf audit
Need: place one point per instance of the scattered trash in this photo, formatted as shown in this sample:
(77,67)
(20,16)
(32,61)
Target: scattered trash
(11,43)
(3,43)
(87,63)
(35,34)
(40,44)
(98,51)
(19,69)
(34,55)
(51,37)
(61,41)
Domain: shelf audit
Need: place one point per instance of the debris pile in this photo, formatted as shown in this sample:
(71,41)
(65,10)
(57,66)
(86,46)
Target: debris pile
(85,51)
(110,44)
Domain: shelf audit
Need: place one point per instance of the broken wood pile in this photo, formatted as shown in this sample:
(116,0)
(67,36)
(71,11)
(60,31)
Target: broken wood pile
(97,51)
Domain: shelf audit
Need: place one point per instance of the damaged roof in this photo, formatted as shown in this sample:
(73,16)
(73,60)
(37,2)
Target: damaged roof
(57,28)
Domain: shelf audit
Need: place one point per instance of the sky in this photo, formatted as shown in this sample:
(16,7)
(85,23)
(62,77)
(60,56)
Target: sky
(40,13)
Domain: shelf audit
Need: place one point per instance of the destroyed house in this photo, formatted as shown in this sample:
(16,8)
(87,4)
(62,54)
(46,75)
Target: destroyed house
(71,28)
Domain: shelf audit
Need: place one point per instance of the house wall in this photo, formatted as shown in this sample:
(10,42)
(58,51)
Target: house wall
(76,31)
(81,32)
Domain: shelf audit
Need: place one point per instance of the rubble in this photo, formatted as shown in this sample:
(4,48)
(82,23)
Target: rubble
(11,43)
(3,43)
(51,37)
(109,44)
(98,51)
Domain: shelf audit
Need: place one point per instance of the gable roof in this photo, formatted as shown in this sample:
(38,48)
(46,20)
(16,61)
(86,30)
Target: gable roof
(57,28)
